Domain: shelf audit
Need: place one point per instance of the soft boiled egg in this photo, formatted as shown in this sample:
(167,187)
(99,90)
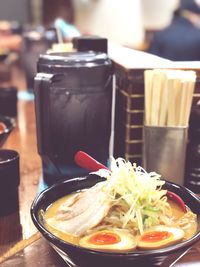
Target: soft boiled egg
(109,240)
(159,237)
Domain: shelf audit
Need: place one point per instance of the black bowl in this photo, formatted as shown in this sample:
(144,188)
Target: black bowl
(4,53)
(10,124)
(82,257)
(3,57)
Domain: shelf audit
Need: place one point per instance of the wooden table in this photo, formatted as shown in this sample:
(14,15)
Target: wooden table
(19,226)
(20,243)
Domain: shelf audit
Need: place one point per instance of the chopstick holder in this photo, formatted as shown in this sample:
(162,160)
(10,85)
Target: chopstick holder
(168,100)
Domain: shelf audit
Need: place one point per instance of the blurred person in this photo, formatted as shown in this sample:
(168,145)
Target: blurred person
(5,28)
(180,41)
(60,8)
(157,14)
(59,15)
(8,40)
(11,43)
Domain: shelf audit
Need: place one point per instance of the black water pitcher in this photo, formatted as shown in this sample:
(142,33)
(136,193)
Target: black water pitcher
(73,99)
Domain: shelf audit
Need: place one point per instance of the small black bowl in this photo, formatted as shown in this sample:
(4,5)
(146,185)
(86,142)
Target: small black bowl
(82,257)
(9,181)
(3,57)
(4,53)
(9,125)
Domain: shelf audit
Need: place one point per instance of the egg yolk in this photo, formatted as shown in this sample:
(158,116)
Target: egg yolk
(104,238)
(156,236)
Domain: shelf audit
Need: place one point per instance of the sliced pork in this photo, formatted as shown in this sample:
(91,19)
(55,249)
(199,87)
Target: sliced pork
(84,211)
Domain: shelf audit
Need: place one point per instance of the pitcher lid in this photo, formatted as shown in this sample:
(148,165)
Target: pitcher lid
(74,59)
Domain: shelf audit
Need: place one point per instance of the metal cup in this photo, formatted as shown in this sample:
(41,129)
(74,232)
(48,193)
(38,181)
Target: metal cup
(164,151)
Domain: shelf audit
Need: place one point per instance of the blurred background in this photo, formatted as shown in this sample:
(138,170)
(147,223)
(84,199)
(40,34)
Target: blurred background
(170,29)
(132,19)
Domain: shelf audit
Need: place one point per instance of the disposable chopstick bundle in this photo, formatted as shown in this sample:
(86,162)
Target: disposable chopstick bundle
(168,96)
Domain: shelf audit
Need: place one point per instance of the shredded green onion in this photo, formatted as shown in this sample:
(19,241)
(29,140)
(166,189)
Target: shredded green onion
(137,196)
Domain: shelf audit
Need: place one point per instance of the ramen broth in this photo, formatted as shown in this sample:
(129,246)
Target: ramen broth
(189,229)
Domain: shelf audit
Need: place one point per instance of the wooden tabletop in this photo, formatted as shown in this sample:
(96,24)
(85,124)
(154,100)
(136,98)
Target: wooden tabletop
(19,226)
(20,243)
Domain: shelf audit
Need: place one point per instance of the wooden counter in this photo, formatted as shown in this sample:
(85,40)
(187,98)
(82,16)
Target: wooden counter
(19,226)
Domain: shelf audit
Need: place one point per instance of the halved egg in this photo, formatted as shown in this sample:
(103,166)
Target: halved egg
(159,237)
(109,240)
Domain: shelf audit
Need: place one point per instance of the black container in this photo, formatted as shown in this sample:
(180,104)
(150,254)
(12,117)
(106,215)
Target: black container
(9,181)
(90,43)
(192,177)
(8,101)
(73,97)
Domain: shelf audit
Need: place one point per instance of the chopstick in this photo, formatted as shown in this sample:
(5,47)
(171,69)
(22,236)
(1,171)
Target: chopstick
(19,246)
(163,102)
(155,107)
(183,99)
(168,96)
(148,93)
(171,101)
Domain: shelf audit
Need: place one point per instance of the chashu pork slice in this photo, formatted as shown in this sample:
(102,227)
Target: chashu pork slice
(78,203)
(92,214)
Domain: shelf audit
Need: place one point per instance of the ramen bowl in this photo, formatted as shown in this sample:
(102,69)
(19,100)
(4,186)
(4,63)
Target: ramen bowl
(82,257)
(6,126)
